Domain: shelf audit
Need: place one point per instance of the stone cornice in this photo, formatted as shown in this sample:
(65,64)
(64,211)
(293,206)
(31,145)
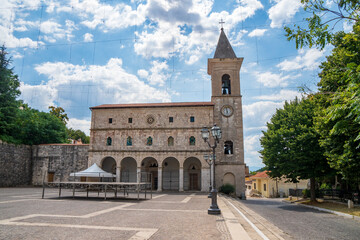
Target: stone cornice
(148,128)
(153,151)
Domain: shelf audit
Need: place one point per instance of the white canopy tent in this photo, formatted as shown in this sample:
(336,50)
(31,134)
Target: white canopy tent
(93,171)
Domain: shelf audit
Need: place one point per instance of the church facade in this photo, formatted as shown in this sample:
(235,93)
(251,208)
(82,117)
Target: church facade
(163,140)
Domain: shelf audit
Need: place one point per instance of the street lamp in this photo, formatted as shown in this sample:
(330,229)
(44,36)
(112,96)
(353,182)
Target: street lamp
(216,133)
(209,160)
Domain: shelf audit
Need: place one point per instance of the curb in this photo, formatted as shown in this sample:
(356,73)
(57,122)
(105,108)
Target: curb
(327,210)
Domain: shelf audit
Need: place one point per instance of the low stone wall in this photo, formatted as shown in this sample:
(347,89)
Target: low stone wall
(15,165)
(55,162)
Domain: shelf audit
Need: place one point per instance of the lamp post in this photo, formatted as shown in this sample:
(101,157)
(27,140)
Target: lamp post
(209,160)
(216,133)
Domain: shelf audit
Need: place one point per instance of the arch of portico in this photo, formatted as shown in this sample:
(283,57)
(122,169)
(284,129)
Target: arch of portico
(129,170)
(192,174)
(108,164)
(170,174)
(149,171)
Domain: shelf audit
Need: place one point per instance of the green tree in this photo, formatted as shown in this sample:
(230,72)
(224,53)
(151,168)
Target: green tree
(290,144)
(9,91)
(59,112)
(35,127)
(338,119)
(78,134)
(320,26)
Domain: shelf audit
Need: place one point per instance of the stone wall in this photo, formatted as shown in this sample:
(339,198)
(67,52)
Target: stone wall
(26,165)
(15,165)
(55,162)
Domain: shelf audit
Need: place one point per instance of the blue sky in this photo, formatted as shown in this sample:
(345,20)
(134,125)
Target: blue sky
(77,54)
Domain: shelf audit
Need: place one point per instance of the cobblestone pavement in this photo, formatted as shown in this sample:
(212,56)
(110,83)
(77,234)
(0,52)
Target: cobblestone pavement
(24,215)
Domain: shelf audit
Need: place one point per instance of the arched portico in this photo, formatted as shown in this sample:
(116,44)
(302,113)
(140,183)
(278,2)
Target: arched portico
(128,170)
(192,174)
(108,164)
(170,174)
(149,171)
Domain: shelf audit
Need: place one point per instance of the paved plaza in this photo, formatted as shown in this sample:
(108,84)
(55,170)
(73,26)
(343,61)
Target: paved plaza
(24,215)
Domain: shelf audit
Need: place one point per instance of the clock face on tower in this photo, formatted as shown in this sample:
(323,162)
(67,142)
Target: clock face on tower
(227,111)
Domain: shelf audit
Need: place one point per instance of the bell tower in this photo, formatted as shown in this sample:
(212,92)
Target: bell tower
(224,69)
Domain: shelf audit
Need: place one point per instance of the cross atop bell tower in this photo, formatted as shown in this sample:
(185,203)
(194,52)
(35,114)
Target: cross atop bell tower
(222,22)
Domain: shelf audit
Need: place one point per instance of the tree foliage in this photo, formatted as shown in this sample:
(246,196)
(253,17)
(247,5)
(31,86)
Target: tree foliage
(9,91)
(59,112)
(338,118)
(78,134)
(324,17)
(35,127)
(290,146)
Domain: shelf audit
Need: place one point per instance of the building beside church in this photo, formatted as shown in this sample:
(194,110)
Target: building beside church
(164,139)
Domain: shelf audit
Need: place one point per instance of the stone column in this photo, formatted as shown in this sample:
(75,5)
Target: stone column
(118,171)
(181,179)
(138,174)
(159,179)
(205,179)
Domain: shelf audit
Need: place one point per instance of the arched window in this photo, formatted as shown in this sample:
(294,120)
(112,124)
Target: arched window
(228,147)
(170,141)
(149,141)
(192,140)
(226,86)
(109,141)
(129,141)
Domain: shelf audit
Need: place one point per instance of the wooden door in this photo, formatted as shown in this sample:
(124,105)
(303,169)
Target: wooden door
(193,181)
(50,177)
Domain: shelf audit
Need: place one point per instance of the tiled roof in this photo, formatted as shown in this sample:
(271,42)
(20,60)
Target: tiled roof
(148,105)
(260,175)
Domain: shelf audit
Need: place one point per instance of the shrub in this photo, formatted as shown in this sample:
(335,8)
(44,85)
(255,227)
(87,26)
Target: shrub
(306,193)
(227,188)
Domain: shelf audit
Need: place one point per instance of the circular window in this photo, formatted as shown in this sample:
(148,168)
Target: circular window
(150,120)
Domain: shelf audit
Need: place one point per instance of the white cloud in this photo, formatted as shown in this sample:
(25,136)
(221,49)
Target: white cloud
(80,124)
(258,113)
(269,79)
(307,60)
(42,96)
(257,33)
(281,96)
(109,83)
(283,11)
(106,17)
(53,30)
(251,147)
(348,26)
(157,75)
(172,17)
(88,37)
(143,73)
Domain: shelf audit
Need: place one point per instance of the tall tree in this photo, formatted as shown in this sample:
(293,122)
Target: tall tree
(325,15)
(290,145)
(35,127)
(9,91)
(59,112)
(338,120)
(78,134)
